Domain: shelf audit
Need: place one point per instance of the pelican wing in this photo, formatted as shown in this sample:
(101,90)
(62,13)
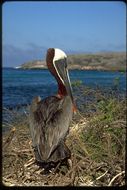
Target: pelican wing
(49,123)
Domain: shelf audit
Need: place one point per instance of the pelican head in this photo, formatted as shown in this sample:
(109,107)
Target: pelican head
(57,64)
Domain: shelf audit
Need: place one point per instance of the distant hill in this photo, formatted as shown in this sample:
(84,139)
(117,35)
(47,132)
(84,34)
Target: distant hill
(99,61)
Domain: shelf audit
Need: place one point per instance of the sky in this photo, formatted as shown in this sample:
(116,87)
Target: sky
(30,28)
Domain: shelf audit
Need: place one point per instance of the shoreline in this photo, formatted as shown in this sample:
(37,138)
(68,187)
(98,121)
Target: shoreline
(10,112)
(70,69)
(91,157)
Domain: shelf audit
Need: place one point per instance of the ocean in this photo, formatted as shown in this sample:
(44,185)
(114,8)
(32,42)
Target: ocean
(21,86)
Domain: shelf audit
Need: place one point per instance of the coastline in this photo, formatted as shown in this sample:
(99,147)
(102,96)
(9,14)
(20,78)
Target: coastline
(74,69)
(70,69)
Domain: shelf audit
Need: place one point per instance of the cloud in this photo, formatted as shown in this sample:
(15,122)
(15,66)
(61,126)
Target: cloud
(13,56)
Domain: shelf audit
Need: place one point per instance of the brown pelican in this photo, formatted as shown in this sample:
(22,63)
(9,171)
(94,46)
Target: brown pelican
(50,117)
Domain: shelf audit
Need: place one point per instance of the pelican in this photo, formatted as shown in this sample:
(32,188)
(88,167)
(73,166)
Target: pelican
(50,118)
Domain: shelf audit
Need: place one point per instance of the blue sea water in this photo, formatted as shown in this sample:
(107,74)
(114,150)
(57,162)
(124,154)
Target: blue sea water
(20,86)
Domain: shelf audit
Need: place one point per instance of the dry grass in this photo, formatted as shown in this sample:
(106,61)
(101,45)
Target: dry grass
(97,144)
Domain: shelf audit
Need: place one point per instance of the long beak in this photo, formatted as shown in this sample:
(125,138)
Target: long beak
(68,83)
(62,72)
(68,87)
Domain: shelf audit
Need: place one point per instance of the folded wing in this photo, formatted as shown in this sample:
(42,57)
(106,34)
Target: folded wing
(49,125)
